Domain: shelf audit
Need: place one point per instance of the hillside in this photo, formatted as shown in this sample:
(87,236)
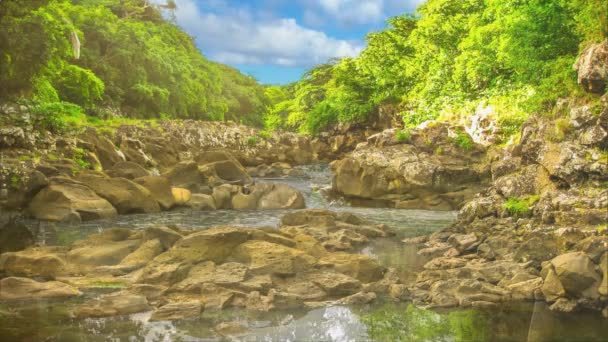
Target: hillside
(114,56)
(450,60)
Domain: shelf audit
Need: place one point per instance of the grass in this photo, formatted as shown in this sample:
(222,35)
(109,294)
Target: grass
(521,207)
(563,127)
(252,141)
(78,158)
(463,140)
(403,136)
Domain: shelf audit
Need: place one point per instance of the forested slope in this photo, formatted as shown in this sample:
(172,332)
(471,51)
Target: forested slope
(131,61)
(449,59)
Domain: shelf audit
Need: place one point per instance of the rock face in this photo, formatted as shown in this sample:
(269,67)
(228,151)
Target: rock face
(15,236)
(159,188)
(68,200)
(592,67)
(13,288)
(114,304)
(128,170)
(430,171)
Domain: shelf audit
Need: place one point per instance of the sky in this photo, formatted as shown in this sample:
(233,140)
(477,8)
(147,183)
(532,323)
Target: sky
(275,41)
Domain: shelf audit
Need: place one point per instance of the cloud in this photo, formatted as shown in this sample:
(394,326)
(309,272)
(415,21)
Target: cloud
(354,11)
(240,36)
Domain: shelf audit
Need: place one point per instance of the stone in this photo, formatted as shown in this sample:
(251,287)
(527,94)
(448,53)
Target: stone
(525,290)
(576,272)
(143,254)
(126,196)
(46,262)
(160,189)
(184,175)
(177,311)
(167,236)
(398,292)
(360,267)
(15,236)
(592,68)
(68,200)
(104,148)
(226,171)
(281,196)
(336,284)
(266,257)
(228,329)
(603,288)
(128,170)
(13,288)
(181,196)
(101,254)
(222,196)
(564,305)
(202,202)
(463,242)
(357,299)
(114,304)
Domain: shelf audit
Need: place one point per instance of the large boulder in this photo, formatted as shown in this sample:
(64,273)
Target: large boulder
(186,175)
(269,196)
(226,171)
(266,257)
(114,304)
(576,272)
(46,262)
(126,196)
(160,189)
(15,236)
(360,267)
(592,67)
(104,149)
(68,200)
(177,311)
(13,288)
(128,170)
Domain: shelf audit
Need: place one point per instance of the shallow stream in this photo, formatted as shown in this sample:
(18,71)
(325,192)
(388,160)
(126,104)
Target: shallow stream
(381,321)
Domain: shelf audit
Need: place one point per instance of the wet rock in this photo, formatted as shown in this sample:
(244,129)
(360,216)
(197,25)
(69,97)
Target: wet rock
(265,257)
(603,288)
(576,272)
(552,287)
(357,299)
(13,288)
(15,236)
(68,200)
(230,329)
(47,262)
(462,242)
(13,137)
(226,171)
(525,290)
(202,202)
(336,284)
(115,304)
(269,196)
(358,266)
(103,148)
(128,170)
(185,175)
(222,196)
(181,196)
(167,237)
(177,311)
(126,196)
(564,305)
(108,253)
(399,292)
(143,254)
(160,189)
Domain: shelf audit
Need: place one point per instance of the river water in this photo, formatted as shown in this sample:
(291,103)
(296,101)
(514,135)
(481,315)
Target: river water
(381,321)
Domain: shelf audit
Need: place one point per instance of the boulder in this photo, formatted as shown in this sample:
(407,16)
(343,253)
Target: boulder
(336,284)
(201,202)
(361,267)
(167,236)
(46,262)
(13,288)
(143,254)
(226,171)
(603,289)
(15,236)
(264,257)
(463,242)
(222,196)
(266,196)
(114,304)
(552,287)
(160,189)
(128,170)
(68,200)
(592,68)
(576,272)
(101,254)
(177,311)
(185,175)
(126,196)
(181,196)
(103,148)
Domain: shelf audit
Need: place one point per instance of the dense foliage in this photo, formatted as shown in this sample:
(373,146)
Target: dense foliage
(450,59)
(131,59)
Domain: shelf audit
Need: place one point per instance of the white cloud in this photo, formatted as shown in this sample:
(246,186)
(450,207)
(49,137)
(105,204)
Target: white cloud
(237,37)
(354,11)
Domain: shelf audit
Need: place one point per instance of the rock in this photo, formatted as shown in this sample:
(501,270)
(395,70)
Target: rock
(537,248)
(114,304)
(398,292)
(462,242)
(15,236)
(202,202)
(525,290)
(281,196)
(13,288)
(603,288)
(101,254)
(576,272)
(360,267)
(594,136)
(336,284)
(226,171)
(167,237)
(143,254)
(357,299)
(68,200)
(564,305)
(222,196)
(104,148)
(230,329)
(13,137)
(552,287)
(185,175)
(126,196)
(181,196)
(160,189)
(264,257)
(46,262)
(592,68)
(177,311)
(128,170)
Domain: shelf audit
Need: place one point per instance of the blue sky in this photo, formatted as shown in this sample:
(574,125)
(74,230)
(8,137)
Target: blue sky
(277,40)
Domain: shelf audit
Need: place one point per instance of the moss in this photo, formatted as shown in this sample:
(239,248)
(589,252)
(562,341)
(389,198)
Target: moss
(521,207)
(16,182)
(25,158)
(438,151)
(563,127)
(403,136)
(463,140)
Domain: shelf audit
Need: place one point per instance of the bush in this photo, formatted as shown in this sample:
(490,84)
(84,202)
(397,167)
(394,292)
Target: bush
(57,117)
(463,140)
(252,141)
(79,86)
(403,136)
(521,207)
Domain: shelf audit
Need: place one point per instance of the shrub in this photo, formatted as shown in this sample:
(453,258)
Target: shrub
(252,141)
(521,207)
(264,135)
(463,140)
(403,136)
(79,85)
(57,117)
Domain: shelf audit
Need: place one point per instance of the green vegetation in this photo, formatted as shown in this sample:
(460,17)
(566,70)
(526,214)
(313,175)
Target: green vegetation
(130,60)
(79,155)
(252,141)
(448,60)
(403,136)
(393,323)
(463,140)
(109,284)
(521,207)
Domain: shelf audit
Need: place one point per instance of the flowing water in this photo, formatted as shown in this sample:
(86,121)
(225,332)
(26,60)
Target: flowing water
(381,321)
